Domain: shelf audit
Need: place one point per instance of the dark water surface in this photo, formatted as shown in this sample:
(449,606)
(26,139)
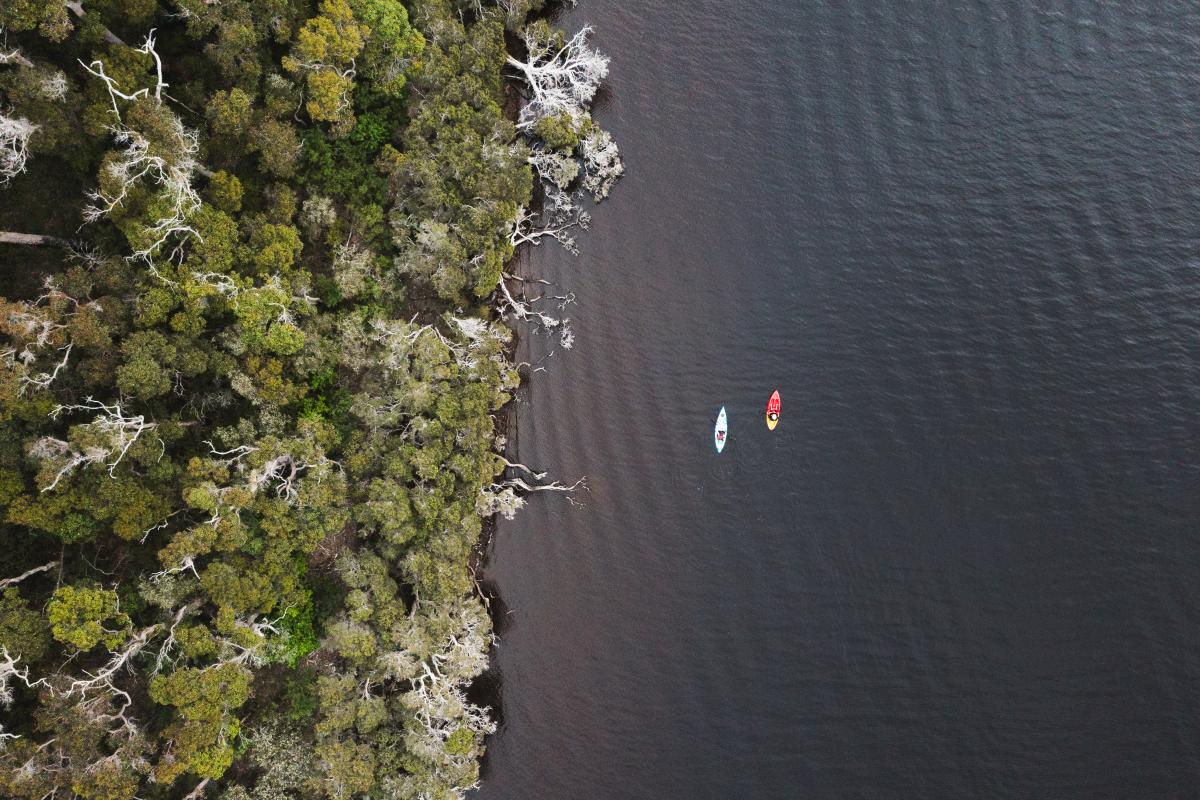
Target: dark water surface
(962,240)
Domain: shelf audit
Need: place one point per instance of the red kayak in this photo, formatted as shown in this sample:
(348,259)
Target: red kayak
(773,408)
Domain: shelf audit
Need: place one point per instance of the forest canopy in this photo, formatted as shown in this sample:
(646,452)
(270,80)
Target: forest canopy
(252,355)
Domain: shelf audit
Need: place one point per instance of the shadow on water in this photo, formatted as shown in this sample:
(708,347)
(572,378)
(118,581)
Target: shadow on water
(603,100)
(487,689)
(497,608)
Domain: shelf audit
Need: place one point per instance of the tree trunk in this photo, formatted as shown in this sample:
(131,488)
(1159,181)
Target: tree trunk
(8,237)
(109,36)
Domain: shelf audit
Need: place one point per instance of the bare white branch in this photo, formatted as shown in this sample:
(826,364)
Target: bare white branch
(148,48)
(173,178)
(525,231)
(602,164)
(102,679)
(198,792)
(523,310)
(170,173)
(7,582)
(562,81)
(187,564)
(15,133)
(8,672)
(96,68)
(109,436)
(14,56)
(164,652)
(42,380)
(506,497)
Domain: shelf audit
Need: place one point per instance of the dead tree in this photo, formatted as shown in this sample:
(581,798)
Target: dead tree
(560,81)
(169,172)
(15,133)
(110,435)
(34,240)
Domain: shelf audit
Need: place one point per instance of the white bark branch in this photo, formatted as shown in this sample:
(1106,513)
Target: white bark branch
(562,82)
(15,57)
(523,310)
(526,232)
(103,678)
(198,792)
(117,432)
(15,133)
(537,476)
(7,582)
(9,671)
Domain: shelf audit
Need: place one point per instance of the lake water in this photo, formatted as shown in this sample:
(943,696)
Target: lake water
(963,241)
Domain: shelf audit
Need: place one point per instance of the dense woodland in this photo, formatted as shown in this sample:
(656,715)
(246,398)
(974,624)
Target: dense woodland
(252,354)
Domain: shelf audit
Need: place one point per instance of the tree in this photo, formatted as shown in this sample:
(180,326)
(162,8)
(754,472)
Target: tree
(278,145)
(230,113)
(562,78)
(201,741)
(84,617)
(105,440)
(24,633)
(391,46)
(48,18)
(284,758)
(462,179)
(15,133)
(324,54)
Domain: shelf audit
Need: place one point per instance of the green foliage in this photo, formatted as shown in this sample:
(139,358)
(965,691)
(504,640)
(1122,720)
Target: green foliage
(23,631)
(146,371)
(324,53)
(230,114)
(204,733)
(461,742)
(345,168)
(84,617)
(325,399)
(273,249)
(559,132)
(463,188)
(57,515)
(392,46)
(300,696)
(348,769)
(48,19)
(225,192)
(203,694)
(263,326)
(278,145)
(300,633)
